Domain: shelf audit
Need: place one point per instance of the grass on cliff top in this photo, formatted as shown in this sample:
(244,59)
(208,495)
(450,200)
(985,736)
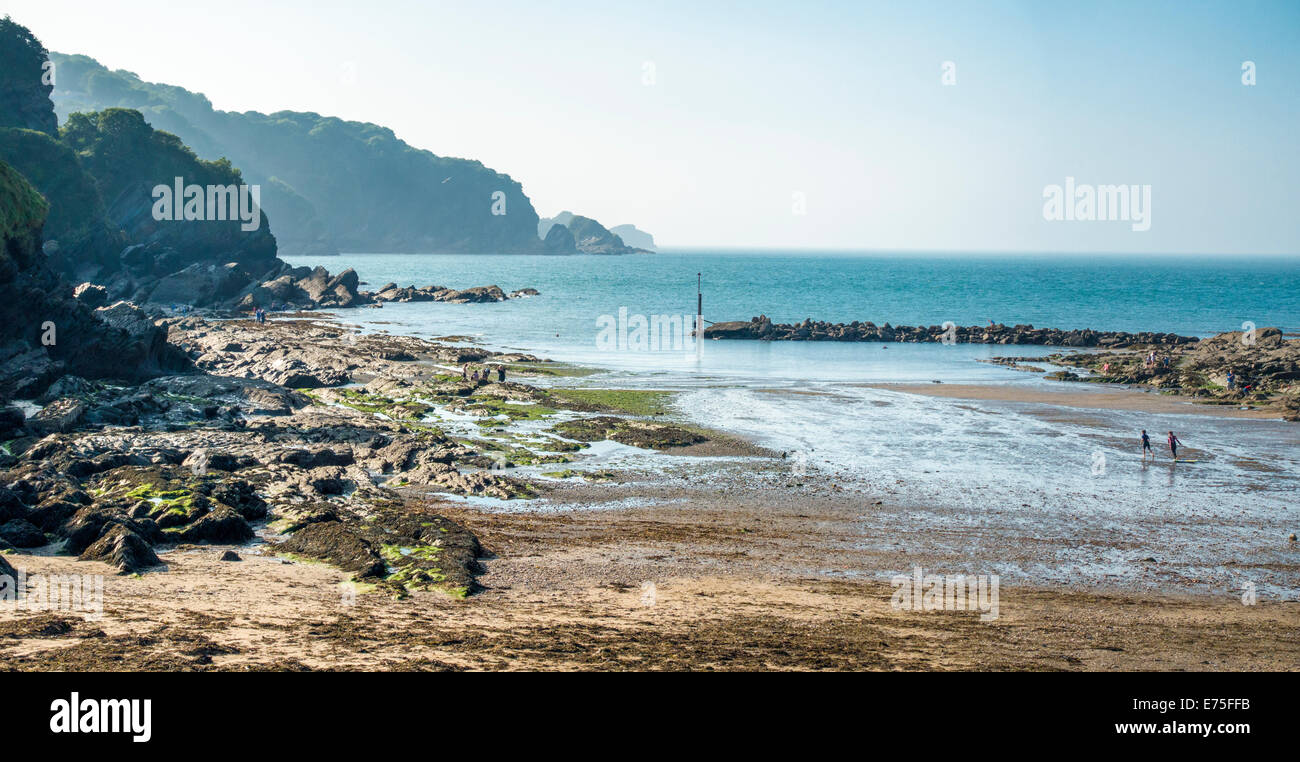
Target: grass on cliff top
(633,401)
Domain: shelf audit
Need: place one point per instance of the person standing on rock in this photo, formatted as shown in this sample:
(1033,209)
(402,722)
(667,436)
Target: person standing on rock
(1146,447)
(501,374)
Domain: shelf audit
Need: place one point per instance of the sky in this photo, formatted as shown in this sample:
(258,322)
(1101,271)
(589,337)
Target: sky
(813,125)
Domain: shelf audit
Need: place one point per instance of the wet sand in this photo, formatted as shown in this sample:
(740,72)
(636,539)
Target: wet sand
(1105,398)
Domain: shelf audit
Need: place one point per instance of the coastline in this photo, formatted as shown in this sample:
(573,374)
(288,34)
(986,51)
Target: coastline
(707,555)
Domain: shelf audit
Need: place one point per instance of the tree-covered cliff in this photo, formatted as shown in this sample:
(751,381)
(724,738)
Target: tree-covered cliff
(326,182)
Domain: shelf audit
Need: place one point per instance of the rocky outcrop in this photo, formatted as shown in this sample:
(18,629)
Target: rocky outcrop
(305,288)
(558,240)
(1259,369)
(124,550)
(764,329)
(45,332)
(477,295)
(569,233)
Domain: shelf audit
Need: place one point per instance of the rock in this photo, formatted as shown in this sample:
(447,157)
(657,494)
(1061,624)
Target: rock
(524,292)
(11,506)
(92,295)
(762,327)
(201,284)
(628,431)
(334,542)
(223,526)
(12,422)
(251,396)
(476,295)
(59,416)
(67,386)
(567,233)
(22,534)
(9,585)
(123,549)
(230,555)
(559,240)
(90,523)
(51,513)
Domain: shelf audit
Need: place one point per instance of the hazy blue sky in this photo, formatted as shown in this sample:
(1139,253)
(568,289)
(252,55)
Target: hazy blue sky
(753,102)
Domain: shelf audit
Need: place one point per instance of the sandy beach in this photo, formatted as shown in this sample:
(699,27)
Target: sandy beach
(617,593)
(705,552)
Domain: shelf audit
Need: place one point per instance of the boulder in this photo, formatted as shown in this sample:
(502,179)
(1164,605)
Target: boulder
(123,549)
(62,416)
(336,543)
(92,295)
(67,386)
(223,525)
(12,422)
(8,578)
(21,533)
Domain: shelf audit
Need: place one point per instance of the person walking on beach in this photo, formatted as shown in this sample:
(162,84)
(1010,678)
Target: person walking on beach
(1173,445)
(1146,447)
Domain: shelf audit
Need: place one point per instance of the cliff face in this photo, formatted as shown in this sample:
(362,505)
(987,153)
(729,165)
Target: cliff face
(99,176)
(24,81)
(328,183)
(46,333)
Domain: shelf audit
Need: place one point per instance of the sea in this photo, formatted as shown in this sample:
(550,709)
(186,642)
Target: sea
(1072,476)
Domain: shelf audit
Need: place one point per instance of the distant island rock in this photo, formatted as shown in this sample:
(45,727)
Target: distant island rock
(634,237)
(569,233)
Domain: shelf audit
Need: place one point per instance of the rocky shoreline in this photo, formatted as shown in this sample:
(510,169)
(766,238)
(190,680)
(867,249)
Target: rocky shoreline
(332,440)
(763,329)
(305,288)
(1260,368)
(1255,369)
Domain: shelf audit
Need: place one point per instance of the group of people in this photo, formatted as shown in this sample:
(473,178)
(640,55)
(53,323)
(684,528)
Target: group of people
(259,314)
(484,375)
(1146,446)
(1153,360)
